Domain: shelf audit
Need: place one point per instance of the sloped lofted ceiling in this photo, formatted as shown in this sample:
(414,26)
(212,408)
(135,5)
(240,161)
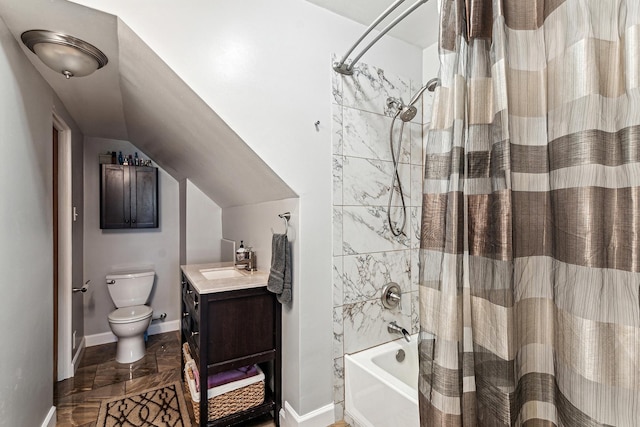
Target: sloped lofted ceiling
(137,97)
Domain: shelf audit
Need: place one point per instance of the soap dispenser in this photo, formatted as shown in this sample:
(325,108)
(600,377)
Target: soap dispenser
(240,253)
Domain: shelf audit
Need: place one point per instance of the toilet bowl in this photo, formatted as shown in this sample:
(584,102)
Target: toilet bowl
(128,322)
(129,325)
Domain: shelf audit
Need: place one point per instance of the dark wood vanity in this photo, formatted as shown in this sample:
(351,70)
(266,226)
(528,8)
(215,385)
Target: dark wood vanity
(229,324)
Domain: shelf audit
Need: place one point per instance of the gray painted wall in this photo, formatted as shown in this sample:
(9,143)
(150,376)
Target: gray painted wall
(110,250)
(203,227)
(26,312)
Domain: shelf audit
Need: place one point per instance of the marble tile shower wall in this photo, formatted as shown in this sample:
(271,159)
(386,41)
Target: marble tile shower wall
(366,255)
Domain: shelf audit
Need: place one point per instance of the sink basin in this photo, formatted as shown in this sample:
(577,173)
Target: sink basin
(221,273)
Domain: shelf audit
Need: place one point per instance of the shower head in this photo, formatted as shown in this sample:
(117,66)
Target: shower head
(408,112)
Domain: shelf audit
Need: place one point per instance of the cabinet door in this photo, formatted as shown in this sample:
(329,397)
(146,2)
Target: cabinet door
(241,323)
(144,197)
(115,197)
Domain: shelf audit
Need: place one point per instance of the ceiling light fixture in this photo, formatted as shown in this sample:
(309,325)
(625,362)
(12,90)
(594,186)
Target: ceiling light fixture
(64,54)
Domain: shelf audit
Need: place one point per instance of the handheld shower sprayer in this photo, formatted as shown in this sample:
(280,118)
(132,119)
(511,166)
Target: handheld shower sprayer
(406,114)
(409,111)
(430,86)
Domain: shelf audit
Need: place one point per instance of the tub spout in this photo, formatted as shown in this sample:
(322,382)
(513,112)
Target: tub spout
(394,328)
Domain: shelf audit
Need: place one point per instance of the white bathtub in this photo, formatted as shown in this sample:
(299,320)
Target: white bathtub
(379,390)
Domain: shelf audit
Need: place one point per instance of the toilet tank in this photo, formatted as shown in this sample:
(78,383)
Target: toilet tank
(130,288)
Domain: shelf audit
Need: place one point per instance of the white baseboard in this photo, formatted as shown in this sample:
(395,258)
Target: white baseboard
(321,417)
(78,355)
(159,327)
(50,420)
(99,339)
(73,366)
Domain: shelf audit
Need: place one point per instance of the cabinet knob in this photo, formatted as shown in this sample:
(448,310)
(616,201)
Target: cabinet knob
(126,221)
(194,334)
(189,291)
(133,221)
(186,314)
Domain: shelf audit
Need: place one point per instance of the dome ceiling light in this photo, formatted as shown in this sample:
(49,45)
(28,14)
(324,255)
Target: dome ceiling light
(64,54)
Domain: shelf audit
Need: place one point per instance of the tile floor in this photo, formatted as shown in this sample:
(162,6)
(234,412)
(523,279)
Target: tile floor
(100,377)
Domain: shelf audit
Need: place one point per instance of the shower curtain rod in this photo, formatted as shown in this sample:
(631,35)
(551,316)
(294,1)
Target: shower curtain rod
(342,67)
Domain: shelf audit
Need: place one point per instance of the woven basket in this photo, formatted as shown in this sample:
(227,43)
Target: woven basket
(186,353)
(228,403)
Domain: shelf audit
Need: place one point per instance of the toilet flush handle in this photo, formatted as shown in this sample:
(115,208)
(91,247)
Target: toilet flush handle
(111,282)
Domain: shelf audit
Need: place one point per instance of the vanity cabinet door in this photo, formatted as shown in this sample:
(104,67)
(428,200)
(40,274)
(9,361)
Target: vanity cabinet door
(241,324)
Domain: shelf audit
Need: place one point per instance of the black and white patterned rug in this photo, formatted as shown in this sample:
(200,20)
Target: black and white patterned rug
(160,407)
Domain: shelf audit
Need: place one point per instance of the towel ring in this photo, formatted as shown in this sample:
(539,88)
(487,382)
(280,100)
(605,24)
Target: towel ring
(286,216)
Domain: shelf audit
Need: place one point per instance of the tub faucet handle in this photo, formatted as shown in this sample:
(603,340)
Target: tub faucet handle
(394,328)
(391,296)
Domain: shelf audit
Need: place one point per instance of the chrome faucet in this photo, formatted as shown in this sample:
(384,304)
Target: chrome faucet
(250,261)
(394,328)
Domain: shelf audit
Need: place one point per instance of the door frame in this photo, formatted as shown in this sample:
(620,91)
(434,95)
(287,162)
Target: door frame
(65,222)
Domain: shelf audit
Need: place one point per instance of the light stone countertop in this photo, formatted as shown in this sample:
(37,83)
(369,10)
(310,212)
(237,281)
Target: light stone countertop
(249,279)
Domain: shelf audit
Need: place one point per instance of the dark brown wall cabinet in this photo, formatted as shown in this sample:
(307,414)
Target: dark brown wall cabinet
(128,196)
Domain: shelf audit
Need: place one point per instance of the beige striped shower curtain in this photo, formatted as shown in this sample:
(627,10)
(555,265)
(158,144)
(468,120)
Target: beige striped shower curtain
(530,247)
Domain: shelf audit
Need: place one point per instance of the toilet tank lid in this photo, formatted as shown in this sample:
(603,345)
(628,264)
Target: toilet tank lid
(129,274)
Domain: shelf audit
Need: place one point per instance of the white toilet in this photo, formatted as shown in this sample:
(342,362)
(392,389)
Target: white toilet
(131,318)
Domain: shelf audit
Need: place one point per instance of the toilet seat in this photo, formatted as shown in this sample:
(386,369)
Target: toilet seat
(130,314)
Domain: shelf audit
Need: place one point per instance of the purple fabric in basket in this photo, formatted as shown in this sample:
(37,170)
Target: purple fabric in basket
(229,376)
